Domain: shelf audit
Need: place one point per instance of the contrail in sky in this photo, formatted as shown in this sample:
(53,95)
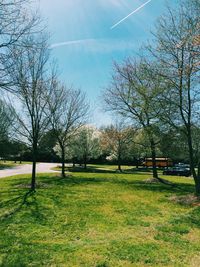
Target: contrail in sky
(75,42)
(136,10)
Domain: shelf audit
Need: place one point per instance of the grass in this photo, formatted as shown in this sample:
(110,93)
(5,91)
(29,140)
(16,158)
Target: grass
(104,168)
(97,219)
(7,164)
(10,164)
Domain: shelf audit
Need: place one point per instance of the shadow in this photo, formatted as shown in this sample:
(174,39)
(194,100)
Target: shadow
(94,169)
(178,188)
(89,169)
(135,184)
(27,201)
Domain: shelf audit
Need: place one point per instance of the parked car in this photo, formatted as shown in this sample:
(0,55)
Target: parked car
(179,171)
(182,165)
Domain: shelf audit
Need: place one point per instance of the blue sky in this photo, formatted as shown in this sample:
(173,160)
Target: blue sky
(85,45)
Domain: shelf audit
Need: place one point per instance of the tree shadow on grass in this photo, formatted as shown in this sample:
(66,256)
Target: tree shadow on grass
(24,201)
(94,169)
(136,184)
(89,169)
(70,180)
(178,188)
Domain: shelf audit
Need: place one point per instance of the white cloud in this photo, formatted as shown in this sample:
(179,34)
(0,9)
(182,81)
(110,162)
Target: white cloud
(75,42)
(98,45)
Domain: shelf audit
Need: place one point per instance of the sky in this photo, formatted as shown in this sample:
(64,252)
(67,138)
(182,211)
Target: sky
(88,35)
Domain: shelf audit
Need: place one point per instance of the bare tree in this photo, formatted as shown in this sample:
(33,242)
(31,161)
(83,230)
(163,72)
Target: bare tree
(69,110)
(16,21)
(29,72)
(133,94)
(177,50)
(6,120)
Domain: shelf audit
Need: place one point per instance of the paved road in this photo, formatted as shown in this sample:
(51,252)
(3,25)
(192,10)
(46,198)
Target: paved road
(27,168)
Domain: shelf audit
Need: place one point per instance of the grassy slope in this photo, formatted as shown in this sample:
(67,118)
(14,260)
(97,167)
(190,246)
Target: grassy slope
(97,219)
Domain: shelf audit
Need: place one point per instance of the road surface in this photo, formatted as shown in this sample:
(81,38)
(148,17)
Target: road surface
(27,169)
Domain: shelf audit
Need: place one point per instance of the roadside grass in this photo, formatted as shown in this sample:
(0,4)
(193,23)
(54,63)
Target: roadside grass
(97,219)
(10,164)
(7,164)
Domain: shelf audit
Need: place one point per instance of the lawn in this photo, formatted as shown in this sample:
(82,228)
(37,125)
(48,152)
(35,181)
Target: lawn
(10,164)
(97,219)
(7,164)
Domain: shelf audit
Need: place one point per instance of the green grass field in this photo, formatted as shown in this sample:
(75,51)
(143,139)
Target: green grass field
(97,219)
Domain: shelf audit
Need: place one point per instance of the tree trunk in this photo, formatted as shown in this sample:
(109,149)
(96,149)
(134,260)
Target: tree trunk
(195,175)
(33,179)
(119,163)
(85,163)
(191,155)
(63,162)
(137,163)
(119,167)
(197,187)
(153,155)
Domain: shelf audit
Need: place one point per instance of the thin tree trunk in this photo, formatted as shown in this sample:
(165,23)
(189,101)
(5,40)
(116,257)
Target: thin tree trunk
(197,182)
(119,163)
(63,162)
(137,163)
(119,154)
(119,166)
(85,163)
(153,155)
(195,175)
(191,156)
(33,179)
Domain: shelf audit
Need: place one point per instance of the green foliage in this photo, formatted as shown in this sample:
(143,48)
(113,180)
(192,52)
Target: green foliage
(82,146)
(117,142)
(86,144)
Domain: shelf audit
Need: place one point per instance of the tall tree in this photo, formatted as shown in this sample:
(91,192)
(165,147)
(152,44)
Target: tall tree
(177,50)
(28,68)
(133,94)
(68,111)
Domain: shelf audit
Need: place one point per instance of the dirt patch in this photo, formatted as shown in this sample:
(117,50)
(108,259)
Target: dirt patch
(186,200)
(152,181)
(158,181)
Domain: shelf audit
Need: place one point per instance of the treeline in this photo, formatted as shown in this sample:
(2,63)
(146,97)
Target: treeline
(113,144)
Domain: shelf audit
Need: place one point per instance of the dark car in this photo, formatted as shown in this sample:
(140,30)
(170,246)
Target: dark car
(177,171)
